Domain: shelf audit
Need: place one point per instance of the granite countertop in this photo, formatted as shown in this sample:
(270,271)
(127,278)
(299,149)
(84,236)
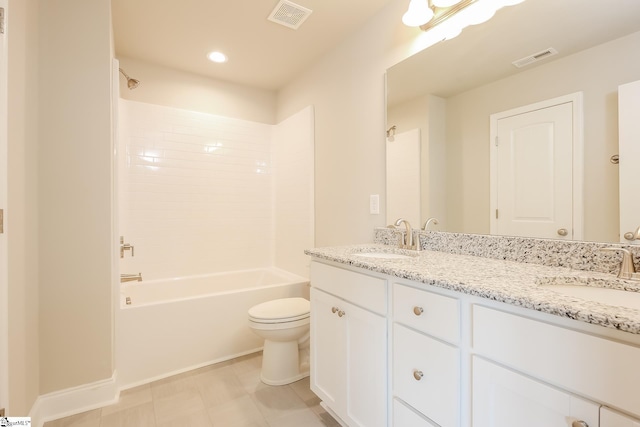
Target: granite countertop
(510,282)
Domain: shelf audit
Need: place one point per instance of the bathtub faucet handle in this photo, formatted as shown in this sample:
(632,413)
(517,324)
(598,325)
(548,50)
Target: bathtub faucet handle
(125,247)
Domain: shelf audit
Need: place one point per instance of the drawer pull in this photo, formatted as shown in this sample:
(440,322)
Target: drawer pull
(340,313)
(579,424)
(334,309)
(418,376)
(418,310)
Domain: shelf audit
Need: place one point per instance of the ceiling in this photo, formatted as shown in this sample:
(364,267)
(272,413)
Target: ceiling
(266,55)
(262,54)
(484,53)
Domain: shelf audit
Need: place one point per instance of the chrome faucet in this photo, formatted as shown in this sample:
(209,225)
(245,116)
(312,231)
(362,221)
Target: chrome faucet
(633,236)
(627,267)
(431,220)
(125,247)
(407,240)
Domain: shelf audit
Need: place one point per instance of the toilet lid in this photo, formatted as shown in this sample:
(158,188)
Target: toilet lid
(288,309)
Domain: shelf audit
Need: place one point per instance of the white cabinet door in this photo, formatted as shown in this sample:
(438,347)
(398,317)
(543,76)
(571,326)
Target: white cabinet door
(328,337)
(629,150)
(503,398)
(609,418)
(348,360)
(366,358)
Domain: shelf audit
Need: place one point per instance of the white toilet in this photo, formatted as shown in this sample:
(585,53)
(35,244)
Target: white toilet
(284,325)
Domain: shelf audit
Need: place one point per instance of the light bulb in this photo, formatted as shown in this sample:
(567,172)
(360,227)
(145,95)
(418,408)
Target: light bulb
(217,57)
(419,13)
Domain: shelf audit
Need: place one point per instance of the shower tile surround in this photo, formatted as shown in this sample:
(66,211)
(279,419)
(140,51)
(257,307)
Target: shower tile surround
(197,192)
(505,269)
(193,187)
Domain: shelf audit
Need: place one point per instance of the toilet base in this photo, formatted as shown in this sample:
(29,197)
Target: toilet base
(282,364)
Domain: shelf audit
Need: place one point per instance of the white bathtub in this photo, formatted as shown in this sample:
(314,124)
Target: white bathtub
(171,326)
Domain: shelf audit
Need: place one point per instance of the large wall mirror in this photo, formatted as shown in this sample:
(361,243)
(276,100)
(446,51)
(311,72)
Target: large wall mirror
(450,90)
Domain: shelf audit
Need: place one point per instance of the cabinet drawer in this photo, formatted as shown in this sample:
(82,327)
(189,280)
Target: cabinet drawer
(405,417)
(434,390)
(365,291)
(584,364)
(434,314)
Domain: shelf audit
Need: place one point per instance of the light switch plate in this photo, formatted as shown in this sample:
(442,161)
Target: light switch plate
(374,204)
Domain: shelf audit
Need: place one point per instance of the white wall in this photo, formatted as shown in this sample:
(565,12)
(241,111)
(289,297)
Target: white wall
(293,143)
(74,193)
(172,88)
(22,213)
(346,88)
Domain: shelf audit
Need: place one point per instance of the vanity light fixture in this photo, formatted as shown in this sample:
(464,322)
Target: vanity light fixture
(467,12)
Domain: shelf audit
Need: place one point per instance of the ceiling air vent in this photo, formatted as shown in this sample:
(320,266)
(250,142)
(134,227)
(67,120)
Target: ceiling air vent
(289,14)
(527,60)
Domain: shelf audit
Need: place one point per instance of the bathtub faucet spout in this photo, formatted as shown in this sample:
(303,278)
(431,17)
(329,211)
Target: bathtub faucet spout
(130,277)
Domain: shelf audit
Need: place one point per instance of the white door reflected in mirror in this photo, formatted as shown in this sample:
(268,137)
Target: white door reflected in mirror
(536,168)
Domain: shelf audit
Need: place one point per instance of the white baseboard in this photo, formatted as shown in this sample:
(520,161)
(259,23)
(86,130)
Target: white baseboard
(74,400)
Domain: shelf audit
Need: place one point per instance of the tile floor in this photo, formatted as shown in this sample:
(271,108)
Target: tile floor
(227,394)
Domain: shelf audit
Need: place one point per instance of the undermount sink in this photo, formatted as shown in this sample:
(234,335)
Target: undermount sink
(614,297)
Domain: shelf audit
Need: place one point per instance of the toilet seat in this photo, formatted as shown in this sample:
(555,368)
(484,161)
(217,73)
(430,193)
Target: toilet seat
(282,310)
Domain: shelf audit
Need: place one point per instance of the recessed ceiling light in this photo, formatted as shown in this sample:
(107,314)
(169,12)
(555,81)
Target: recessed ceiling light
(218,57)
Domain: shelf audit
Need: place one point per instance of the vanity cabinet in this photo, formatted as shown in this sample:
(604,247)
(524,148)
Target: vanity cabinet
(537,371)
(426,369)
(393,352)
(503,398)
(349,344)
